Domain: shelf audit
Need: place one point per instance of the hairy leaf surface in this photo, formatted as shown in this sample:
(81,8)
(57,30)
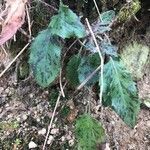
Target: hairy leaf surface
(109,49)
(87,66)
(106,19)
(120,92)
(89,132)
(66,24)
(45,58)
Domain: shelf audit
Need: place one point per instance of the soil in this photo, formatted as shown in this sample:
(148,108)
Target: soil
(26,111)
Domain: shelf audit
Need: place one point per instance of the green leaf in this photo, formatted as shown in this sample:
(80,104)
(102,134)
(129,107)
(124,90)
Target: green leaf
(120,92)
(45,58)
(66,24)
(87,66)
(72,73)
(109,49)
(107,17)
(89,132)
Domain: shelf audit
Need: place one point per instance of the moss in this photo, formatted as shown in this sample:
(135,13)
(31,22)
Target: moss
(5,126)
(135,58)
(129,10)
(64,111)
(23,70)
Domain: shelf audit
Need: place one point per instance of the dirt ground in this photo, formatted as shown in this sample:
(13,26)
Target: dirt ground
(26,110)
(25,113)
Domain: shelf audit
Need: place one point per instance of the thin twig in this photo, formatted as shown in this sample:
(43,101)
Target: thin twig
(50,125)
(101,57)
(29,22)
(53,115)
(60,78)
(48,5)
(88,78)
(4,50)
(3,72)
(97,10)
(60,83)
(64,56)
(100,18)
(26,34)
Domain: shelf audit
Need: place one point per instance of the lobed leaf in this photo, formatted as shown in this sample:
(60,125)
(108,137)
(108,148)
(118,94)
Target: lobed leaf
(120,92)
(107,17)
(66,24)
(45,58)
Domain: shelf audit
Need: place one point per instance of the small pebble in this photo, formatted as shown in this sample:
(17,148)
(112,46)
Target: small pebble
(42,131)
(113,122)
(71,142)
(32,145)
(18,119)
(10,116)
(54,131)
(24,117)
(7,105)
(63,138)
(38,119)
(31,95)
(148,123)
(7,90)
(50,139)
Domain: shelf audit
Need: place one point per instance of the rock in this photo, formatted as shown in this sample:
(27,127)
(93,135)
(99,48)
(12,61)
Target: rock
(7,90)
(71,142)
(50,139)
(18,119)
(42,131)
(147,102)
(10,116)
(32,145)
(38,120)
(31,95)
(107,146)
(24,117)
(148,123)
(54,131)
(63,138)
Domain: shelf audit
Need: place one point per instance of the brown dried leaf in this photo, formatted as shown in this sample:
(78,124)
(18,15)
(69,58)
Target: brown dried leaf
(72,115)
(13,16)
